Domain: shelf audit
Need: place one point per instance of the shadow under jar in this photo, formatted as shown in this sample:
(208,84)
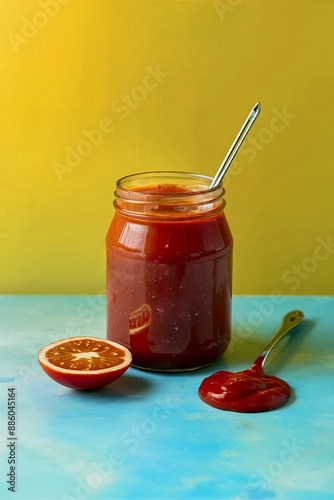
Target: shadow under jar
(169,270)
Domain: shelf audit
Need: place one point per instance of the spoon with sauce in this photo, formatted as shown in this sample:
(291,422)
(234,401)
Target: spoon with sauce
(251,390)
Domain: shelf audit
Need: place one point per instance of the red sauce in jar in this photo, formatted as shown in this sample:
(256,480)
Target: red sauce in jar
(169,279)
(247,391)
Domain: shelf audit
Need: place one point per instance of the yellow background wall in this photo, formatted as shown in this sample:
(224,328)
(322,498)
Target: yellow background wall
(168,83)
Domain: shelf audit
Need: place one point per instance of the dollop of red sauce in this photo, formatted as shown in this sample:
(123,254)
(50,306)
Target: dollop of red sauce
(247,391)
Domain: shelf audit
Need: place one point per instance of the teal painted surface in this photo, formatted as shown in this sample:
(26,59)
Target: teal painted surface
(148,436)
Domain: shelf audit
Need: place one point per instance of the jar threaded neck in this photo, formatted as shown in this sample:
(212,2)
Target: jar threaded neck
(168,194)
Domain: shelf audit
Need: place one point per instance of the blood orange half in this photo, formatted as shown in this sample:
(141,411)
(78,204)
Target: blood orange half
(84,363)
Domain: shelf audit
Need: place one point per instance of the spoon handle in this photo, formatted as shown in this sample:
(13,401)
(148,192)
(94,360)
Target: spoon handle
(289,321)
(236,145)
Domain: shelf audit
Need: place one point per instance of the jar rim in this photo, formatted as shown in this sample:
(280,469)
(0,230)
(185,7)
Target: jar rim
(183,194)
(157,177)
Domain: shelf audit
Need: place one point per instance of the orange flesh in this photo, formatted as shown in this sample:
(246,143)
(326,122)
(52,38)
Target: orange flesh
(85,355)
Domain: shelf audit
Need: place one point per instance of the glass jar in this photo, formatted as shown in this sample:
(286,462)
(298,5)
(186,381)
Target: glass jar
(169,270)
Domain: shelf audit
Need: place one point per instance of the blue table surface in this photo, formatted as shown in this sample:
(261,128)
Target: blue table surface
(148,435)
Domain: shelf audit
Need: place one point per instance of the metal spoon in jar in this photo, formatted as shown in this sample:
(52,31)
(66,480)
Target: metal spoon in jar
(236,145)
